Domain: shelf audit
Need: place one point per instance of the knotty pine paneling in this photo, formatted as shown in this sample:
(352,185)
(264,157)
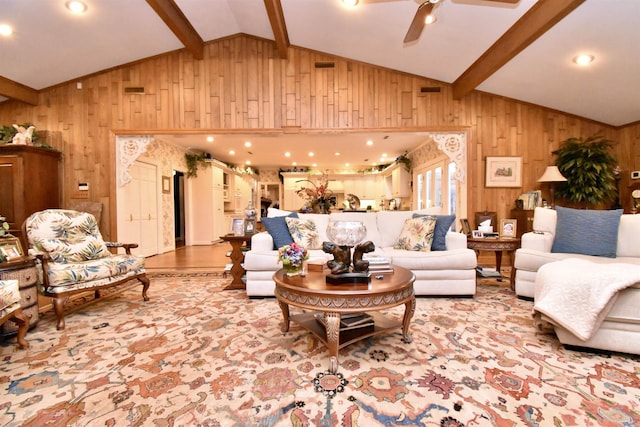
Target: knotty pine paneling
(243,84)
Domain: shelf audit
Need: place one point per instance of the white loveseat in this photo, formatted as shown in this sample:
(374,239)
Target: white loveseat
(620,327)
(448,272)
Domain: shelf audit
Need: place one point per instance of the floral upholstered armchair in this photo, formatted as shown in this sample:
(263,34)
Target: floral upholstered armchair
(75,259)
(10,309)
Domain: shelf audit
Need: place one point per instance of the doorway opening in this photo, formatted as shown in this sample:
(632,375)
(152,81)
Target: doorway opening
(178,208)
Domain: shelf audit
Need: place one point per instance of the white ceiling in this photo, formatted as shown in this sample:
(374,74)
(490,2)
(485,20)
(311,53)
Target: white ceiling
(51,46)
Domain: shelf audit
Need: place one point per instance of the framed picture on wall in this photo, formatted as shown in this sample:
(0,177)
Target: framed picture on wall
(503,172)
(166,184)
(508,227)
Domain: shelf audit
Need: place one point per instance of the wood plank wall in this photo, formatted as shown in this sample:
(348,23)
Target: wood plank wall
(243,84)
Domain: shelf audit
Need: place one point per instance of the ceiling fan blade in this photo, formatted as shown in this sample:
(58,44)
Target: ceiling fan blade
(415,29)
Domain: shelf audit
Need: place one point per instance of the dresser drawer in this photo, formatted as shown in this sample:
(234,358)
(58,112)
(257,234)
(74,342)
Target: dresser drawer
(26,276)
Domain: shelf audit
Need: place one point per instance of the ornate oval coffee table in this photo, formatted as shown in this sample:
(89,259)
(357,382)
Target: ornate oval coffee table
(311,292)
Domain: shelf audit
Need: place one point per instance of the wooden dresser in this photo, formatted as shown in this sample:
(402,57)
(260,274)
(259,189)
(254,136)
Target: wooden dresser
(24,271)
(30,183)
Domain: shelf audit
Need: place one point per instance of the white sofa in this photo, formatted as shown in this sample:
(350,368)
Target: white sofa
(621,326)
(449,272)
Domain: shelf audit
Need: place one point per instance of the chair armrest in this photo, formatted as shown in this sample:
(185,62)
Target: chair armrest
(127,246)
(455,240)
(44,259)
(538,241)
(262,242)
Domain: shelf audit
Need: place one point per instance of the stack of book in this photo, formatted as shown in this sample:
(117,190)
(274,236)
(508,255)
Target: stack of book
(349,321)
(378,264)
(488,272)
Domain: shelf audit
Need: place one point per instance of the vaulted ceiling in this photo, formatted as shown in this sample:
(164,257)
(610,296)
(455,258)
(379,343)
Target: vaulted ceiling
(523,51)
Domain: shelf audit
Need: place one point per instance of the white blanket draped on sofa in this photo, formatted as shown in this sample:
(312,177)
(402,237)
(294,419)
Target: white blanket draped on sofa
(577,294)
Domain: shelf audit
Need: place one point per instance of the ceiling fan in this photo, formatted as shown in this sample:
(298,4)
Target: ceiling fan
(424,10)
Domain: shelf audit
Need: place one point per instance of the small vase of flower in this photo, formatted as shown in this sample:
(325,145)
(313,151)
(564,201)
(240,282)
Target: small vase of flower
(292,257)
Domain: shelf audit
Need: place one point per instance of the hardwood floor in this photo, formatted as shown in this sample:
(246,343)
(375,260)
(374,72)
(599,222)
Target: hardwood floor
(214,258)
(193,258)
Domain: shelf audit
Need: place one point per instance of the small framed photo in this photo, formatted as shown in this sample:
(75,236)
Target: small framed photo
(166,184)
(504,172)
(477,234)
(466,228)
(237,226)
(10,247)
(508,227)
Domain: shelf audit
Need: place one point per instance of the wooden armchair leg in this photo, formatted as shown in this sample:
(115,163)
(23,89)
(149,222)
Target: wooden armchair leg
(22,321)
(145,286)
(58,308)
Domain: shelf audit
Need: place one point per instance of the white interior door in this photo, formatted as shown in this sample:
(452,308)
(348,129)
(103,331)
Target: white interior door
(138,209)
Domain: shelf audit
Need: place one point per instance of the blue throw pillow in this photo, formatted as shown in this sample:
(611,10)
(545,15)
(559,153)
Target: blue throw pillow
(278,229)
(587,232)
(443,224)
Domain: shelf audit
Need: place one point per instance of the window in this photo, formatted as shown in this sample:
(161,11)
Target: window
(436,185)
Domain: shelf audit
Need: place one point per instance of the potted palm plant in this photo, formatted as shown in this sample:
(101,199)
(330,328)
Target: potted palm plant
(589,167)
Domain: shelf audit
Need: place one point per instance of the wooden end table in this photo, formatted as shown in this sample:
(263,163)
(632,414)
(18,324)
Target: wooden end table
(236,259)
(311,292)
(497,245)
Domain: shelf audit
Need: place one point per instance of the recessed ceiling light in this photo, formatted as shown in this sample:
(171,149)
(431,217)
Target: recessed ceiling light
(314,165)
(76,6)
(369,143)
(247,144)
(294,164)
(384,154)
(347,164)
(287,154)
(311,154)
(210,139)
(248,162)
(430,19)
(350,3)
(584,59)
(6,30)
(337,154)
(232,152)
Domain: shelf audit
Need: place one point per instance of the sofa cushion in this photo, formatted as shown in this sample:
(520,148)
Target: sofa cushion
(75,250)
(443,223)
(587,232)
(9,293)
(389,224)
(628,232)
(321,220)
(544,220)
(278,229)
(417,234)
(304,232)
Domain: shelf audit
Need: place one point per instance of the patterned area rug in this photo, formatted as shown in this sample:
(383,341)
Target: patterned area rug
(197,355)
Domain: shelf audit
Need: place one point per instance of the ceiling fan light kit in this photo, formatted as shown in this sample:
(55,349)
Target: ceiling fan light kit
(424,17)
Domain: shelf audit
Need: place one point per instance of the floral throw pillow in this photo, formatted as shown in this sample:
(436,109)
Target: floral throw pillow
(417,234)
(304,232)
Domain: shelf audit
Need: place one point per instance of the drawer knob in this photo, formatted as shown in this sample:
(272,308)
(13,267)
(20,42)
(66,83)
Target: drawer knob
(28,298)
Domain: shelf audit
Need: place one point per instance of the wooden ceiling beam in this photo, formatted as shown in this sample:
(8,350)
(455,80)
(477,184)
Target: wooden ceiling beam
(279,27)
(534,23)
(171,14)
(17,91)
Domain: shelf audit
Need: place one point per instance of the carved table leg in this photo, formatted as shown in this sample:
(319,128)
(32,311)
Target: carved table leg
(285,314)
(409,310)
(333,339)
(22,321)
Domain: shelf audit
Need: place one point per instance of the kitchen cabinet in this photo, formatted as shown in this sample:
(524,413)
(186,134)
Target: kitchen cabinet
(397,182)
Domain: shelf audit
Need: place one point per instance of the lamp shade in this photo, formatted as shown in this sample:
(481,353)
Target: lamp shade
(552,174)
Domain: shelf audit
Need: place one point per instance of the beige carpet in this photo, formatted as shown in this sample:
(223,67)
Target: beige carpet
(197,355)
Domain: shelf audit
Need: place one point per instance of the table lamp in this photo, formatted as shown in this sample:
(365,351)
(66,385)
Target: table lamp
(552,175)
